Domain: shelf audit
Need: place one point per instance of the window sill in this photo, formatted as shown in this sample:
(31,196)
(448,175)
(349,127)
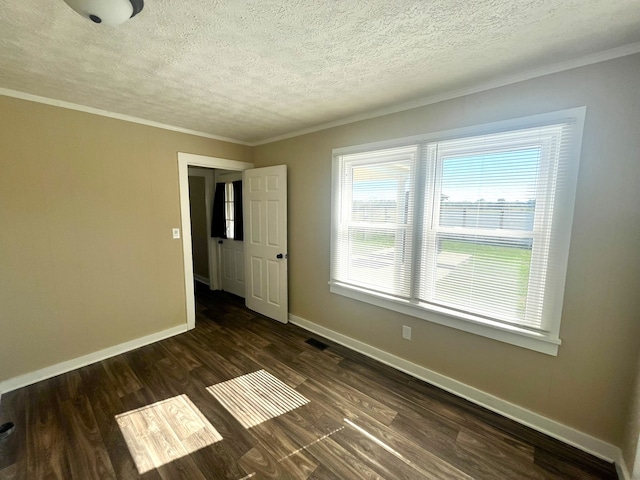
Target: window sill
(443,316)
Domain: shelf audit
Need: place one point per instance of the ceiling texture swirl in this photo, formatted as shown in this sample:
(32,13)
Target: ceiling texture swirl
(253,70)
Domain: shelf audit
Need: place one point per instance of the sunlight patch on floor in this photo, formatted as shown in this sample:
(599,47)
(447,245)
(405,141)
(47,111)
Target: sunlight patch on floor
(162,432)
(256,397)
(376,440)
(295,452)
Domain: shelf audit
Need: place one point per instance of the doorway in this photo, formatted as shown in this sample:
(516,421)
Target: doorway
(186,160)
(230,246)
(199,213)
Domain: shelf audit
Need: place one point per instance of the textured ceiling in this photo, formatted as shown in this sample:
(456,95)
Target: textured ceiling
(257,69)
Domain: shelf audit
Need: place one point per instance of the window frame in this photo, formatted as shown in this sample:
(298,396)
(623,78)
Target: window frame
(544,341)
(407,227)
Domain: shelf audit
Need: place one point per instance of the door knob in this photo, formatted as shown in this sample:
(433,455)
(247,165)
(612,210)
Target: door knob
(282,255)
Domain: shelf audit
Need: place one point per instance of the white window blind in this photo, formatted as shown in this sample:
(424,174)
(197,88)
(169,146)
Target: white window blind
(475,226)
(487,236)
(376,220)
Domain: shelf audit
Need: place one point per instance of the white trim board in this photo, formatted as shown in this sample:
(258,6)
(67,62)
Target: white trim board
(64,367)
(201,279)
(540,423)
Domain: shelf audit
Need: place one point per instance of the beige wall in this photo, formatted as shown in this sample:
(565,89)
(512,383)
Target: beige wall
(87,205)
(199,234)
(588,385)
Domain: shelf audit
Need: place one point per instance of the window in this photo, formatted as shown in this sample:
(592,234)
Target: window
(229,209)
(468,228)
(226,214)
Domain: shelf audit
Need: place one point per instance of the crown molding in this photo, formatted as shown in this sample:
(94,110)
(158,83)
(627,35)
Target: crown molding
(583,61)
(118,116)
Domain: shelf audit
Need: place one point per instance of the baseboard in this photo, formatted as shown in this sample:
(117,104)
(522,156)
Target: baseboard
(557,430)
(201,279)
(64,367)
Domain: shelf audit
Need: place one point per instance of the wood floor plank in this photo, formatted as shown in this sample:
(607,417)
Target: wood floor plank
(257,356)
(214,362)
(460,456)
(275,439)
(325,450)
(12,449)
(218,461)
(363,420)
(349,397)
(258,460)
(559,468)
(508,464)
(300,465)
(47,451)
(10,473)
(441,408)
(142,362)
(182,469)
(86,453)
(323,473)
(390,393)
(475,416)
(66,387)
(416,451)
(430,398)
(179,351)
(122,377)
(106,405)
(348,407)
(386,461)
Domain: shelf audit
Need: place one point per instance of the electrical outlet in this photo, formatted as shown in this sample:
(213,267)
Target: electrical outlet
(176,233)
(406,332)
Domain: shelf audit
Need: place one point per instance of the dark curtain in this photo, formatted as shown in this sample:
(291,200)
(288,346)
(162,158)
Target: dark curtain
(238,231)
(218,221)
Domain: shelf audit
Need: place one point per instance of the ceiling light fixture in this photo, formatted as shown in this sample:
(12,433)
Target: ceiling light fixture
(109,12)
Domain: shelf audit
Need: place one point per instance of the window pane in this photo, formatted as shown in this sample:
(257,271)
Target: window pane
(379,256)
(372,259)
(229,209)
(381,193)
(485,276)
(376,212)
(500,215)
(493,190)
(481,238)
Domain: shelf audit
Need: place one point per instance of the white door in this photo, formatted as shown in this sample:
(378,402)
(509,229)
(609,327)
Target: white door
(265,241)
(232,260)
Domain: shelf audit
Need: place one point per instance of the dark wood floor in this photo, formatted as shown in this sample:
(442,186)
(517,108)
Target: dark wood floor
(363,419)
